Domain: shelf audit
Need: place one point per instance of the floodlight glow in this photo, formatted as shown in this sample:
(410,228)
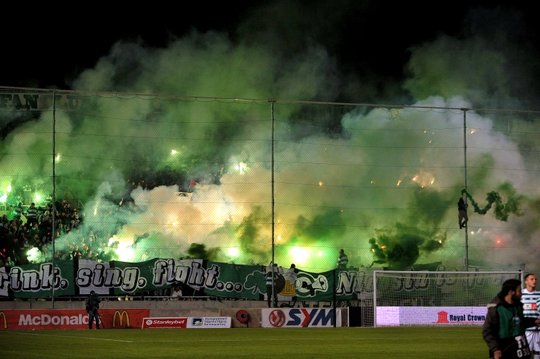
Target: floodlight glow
(233,252)
(299,255)
(125,252)
(241,167)
(222,212)
(33,254)
(38,197)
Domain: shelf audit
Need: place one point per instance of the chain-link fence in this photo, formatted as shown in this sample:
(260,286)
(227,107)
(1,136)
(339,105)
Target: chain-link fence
(140,176)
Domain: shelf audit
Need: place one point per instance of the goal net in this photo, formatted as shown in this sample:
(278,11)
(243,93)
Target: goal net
(435,297)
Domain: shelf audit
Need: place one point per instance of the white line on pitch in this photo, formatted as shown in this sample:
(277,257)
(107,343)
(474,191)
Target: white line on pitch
(72,336)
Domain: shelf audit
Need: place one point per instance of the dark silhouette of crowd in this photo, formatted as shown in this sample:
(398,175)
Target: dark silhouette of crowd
(29,226)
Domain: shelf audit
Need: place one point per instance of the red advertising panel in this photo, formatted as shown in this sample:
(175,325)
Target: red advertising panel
(164,322)
(123,318)
(186,322)
(69,319)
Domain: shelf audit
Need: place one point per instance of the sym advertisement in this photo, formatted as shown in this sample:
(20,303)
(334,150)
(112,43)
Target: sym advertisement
(300,317)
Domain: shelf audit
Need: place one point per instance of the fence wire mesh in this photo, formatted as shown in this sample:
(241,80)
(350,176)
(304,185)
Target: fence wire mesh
(139,176)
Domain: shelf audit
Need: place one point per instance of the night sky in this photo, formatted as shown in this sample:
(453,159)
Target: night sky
(370,42)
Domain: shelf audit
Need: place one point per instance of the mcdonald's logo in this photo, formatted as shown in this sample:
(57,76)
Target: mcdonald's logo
(3,316)
(118,319)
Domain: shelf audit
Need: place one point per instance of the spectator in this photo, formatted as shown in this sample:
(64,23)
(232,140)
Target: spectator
(504,327)
(343,260)
(463,218)
(271,290)
(176,291)
(530,298)
(32,214)
(18,210)
(92,307)
(290,276)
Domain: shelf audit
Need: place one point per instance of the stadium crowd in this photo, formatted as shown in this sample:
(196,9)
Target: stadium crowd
(23,227)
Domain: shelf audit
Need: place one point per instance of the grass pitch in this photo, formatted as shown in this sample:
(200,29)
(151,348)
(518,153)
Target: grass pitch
(297,343)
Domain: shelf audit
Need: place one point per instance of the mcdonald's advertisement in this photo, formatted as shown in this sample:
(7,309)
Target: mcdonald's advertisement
(70,319)
(199,277)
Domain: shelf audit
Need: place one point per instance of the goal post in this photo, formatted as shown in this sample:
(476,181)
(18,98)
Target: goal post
(403,298)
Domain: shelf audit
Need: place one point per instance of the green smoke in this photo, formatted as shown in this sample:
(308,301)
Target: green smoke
(400,248)
(326,225)
(502,210)
(380,183)
(253,235)
(199,251)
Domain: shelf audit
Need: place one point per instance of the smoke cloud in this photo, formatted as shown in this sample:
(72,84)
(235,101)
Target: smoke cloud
(172,176)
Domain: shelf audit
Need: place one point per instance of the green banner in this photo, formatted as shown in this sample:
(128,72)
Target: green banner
(39,280)
(156,276)
(236,281)
(315,286)
(132,278)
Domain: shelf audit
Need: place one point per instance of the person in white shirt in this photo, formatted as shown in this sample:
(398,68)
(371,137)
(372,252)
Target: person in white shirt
(290,276)
(530,299)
